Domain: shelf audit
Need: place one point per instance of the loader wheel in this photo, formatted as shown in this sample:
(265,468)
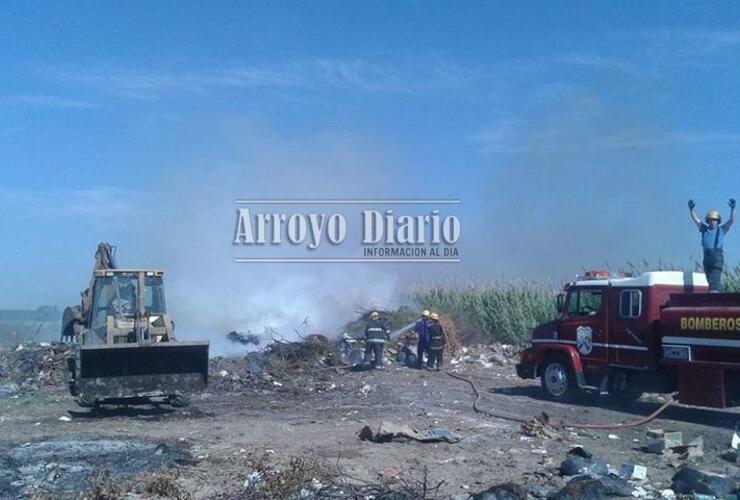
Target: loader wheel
(558,380)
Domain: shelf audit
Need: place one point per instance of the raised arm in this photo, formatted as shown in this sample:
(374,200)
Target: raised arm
(695,217)
(727,225)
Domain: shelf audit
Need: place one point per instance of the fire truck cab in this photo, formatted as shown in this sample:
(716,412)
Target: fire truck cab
(609,339)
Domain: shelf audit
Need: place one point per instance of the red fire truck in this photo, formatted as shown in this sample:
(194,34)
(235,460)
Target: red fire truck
(658,332)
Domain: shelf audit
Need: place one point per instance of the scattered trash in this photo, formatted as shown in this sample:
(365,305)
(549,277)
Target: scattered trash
(672,447)
(689,480)
(678,454)
(391,472)
(580,461)
(655,433)
(615,486)
(673,439)
(613,436)
(65,418)
(253,478)
(639,492)
(539,427)
(388,431)
(593,488)
(735,441)
(637,472)
(8,390)
(504,491)
(486,356)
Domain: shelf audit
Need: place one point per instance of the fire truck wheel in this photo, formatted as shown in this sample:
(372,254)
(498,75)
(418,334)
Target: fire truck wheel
(558,380)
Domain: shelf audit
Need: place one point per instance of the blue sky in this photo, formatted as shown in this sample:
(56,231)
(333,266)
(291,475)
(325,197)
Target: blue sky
(574,134)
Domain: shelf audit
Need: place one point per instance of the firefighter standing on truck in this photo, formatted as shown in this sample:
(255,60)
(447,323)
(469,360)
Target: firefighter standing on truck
(712,241)
(436,343)
(377,334)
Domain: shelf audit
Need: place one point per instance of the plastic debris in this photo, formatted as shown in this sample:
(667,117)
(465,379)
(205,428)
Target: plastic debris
(388,431)
(693,481)
(673,439)
(581,461)
(633,471)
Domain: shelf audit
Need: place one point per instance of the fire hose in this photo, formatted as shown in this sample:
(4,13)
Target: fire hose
(513,418)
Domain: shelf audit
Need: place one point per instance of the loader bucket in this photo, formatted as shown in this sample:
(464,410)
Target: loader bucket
(119,372)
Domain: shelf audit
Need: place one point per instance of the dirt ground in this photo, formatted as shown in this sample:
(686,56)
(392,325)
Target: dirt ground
(50,447)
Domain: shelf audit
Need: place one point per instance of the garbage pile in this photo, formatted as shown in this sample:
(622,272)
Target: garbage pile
(30,367)
(274,364)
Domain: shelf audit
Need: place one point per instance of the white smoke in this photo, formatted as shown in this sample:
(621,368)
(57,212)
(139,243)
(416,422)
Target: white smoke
(191,228)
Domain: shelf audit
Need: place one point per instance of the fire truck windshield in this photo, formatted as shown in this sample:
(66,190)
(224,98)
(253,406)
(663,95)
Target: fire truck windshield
(583,302)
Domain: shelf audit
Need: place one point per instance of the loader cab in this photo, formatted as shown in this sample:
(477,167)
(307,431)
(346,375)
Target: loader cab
(116,306)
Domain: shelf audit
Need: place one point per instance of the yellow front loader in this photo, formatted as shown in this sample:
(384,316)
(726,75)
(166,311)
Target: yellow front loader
(127,352)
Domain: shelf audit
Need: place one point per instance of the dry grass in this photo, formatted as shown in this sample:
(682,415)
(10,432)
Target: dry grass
(164,484)
(261,478)
(103,486)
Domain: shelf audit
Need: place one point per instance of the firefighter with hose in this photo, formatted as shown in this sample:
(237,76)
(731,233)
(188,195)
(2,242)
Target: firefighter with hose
(377,334)
(712,241)
(437,341)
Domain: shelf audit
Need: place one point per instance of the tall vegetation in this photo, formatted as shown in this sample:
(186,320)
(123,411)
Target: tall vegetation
(504,312)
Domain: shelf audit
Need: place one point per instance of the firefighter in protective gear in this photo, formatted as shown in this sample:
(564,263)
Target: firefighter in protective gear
(377,334)
(437,342)
(712,242)
(422,332)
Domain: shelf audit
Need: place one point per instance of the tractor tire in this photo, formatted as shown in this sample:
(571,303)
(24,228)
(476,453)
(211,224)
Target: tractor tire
(558,380)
